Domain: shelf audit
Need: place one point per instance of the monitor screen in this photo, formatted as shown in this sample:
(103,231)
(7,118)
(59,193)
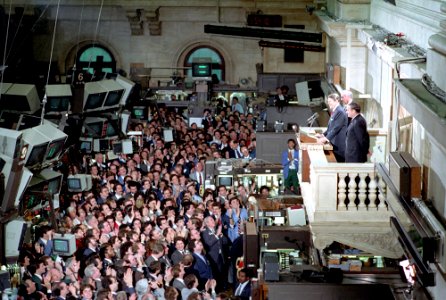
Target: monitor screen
(112,129)
(138,113)
(74,184)
(85,146)
(96,128)
(61,246)
(201,69)
(55,149)
(64,244)
(57,104)
(104,145)
(37,155)
(113,98)
(95,100)
(117,148)
(225,180)
(54,185)
(15,103)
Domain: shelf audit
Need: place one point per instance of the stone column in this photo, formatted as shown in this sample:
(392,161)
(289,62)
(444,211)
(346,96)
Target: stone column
(436,56)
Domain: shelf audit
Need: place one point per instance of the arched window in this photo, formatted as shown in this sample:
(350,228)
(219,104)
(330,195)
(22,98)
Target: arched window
(218,63)
(95,58)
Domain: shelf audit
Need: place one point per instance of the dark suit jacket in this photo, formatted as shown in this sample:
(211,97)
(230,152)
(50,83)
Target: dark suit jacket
(357,141)
(203,269)
(213,246)
(246,293)
(337,131)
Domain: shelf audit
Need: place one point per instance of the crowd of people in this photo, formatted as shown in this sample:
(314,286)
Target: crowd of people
(148,229)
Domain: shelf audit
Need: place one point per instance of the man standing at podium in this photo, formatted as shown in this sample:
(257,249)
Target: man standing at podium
(290,163)
(337,128)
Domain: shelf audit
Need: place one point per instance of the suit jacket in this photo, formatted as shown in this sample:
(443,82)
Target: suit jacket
(358,141)
(234,153)
(213,246)
(246,292)
(178,284)
(337,130)
(176,257)
(203,269)
(286,164)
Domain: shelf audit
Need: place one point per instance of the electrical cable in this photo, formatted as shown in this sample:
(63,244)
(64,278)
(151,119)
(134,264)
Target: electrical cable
(6,46)
(78,38)
(49,63)
(96,33)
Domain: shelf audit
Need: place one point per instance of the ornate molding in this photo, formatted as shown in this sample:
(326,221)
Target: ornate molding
(152,17)
(383,244)
(135,20)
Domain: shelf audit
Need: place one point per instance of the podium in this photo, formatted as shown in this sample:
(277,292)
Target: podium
(308,143)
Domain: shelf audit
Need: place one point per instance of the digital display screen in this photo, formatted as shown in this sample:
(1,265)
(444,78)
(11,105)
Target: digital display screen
(61,246)
(225,180)
(86,146)
(96,128)
(113,98)
(54,149)
(56,104)
(201,69)
(95,101)
(74,184)
(37,154)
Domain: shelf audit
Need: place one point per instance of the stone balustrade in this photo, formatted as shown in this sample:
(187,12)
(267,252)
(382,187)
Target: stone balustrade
(338,190)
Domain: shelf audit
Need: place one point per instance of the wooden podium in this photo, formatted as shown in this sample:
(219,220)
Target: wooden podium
(309,143)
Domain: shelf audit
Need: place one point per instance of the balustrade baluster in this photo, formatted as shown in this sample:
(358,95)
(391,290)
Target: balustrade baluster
(352,189)
(342,195)
(372,195)
(382,194)
(362,190)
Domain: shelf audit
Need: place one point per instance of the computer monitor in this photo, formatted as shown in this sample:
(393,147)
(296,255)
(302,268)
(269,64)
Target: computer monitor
(86,145)
(37,137)
(101,145)
(47,181)
(202,69)
(79,183)
(139,113)
(128,86)
(58,98)
(64,245)
(94,96)
(12,142)
(14,235)
(225,180)
(115,91)
(19,97)
(94,127)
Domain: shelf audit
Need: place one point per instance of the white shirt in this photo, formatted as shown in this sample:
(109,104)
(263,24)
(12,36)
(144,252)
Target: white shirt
(240,288)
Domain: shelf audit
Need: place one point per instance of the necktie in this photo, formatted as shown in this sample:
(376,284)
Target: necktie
(200,180)
(238,290)
(290,155)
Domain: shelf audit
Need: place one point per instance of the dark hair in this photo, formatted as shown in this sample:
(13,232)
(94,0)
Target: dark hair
(355,106)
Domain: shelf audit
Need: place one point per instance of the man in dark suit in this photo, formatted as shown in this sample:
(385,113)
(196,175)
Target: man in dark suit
(358,140)
(336,129)
(243,289)
(202,267)
(212,240)
(179,252)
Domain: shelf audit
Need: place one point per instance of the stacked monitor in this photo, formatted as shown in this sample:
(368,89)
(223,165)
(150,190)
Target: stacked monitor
(19,98)
(58,98)
(225,180)
(11,142)
(86,144)
(106,94)
(79,183)
(100,127)
(45,144)
(47,181)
